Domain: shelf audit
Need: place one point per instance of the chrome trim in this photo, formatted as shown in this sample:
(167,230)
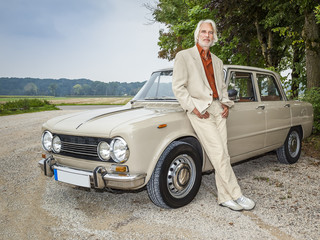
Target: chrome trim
(99,178)
(79,148)
(46,166)
(127,151)
(42,139)
(181,176)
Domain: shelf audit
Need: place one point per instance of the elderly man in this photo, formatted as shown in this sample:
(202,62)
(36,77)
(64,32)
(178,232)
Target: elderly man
(198,83)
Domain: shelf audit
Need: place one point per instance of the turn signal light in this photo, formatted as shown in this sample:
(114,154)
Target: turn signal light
(162,126)
(118,168)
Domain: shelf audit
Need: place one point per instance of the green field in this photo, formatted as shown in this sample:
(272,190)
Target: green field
(72,100)
(10,105)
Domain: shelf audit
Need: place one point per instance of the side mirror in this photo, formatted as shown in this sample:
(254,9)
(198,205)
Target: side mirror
(232,93)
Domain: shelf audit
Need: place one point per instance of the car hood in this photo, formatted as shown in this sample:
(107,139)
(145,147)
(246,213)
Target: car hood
(98,122)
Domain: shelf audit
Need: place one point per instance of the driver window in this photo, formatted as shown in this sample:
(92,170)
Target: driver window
(241,88)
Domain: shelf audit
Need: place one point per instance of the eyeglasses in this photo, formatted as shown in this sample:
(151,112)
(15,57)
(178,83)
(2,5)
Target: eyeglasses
(204,32)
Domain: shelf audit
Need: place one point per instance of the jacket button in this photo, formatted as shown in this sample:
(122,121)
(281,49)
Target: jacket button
(210,94)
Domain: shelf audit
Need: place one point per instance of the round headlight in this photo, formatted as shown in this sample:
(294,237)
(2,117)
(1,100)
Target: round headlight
(56,144)
(104,151)
(120,150)
(46,141)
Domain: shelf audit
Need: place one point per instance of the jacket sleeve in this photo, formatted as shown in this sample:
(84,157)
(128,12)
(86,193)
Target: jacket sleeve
(180,83)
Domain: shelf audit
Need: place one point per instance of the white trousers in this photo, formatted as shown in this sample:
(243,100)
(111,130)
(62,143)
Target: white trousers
(212,133)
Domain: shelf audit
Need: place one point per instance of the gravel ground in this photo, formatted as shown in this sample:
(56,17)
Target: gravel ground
(36,207)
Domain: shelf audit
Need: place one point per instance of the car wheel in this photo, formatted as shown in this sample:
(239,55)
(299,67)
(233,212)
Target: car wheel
(176,178)
(290,151)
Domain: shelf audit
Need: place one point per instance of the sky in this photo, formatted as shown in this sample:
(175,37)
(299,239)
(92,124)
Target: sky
(100,40)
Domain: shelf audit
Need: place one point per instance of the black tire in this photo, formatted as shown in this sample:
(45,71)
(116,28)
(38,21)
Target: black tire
(176,178)
(289,152)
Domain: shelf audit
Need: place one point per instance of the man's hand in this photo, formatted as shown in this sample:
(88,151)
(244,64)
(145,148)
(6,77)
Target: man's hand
(225,112)
(202,116)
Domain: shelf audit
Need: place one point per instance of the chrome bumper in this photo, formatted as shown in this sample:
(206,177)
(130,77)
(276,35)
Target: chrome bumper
(99,177)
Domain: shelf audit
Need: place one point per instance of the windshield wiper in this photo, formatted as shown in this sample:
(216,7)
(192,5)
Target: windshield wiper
(160,98)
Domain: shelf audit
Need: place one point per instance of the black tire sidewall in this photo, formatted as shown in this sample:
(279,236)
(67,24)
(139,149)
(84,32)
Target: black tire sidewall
(289,158)
(183,148)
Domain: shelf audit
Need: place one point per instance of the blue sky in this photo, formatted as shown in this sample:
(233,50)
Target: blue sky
(102,40)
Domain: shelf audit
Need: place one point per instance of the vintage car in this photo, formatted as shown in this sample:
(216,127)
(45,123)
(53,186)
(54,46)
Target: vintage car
(150,143)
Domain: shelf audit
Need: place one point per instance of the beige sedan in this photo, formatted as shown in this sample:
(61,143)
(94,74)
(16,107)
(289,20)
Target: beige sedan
(150,142)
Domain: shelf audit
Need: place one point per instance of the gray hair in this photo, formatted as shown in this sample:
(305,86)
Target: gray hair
(197,31)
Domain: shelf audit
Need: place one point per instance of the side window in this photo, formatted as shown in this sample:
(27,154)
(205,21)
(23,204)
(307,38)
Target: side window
(268,88)
(241,88)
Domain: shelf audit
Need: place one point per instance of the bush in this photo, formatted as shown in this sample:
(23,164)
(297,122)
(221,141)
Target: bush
(25,105)
(313,96)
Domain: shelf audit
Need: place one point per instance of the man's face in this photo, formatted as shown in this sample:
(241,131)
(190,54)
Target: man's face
(205,35)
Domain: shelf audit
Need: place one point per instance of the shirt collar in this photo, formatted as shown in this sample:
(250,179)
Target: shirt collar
(202,52)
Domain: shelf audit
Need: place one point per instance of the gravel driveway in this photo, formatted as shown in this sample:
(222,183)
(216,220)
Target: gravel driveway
(36,207)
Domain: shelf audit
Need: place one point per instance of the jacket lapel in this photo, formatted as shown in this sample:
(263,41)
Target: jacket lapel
(199,65)
(215,71)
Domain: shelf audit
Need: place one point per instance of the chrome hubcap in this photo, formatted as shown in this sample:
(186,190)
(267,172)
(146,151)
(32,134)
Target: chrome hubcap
(294,144)
(181,176)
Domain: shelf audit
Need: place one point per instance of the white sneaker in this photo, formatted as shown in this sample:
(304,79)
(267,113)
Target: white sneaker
(245,203)
(232,205)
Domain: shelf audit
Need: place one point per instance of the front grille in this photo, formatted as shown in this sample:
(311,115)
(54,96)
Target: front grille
(81,147)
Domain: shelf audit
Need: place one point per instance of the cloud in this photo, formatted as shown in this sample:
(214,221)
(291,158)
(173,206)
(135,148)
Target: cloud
(48,18)
(105,40)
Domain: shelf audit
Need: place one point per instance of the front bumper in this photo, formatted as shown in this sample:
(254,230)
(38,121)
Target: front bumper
(98,178)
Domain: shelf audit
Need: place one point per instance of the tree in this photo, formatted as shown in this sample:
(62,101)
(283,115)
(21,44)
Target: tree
(86,89)
(256,33)
(180,18)
(311,35)
(30,89)
(77,89)
(52,88)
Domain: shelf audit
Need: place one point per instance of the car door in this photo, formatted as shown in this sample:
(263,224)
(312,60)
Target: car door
(277,109)
(246,121)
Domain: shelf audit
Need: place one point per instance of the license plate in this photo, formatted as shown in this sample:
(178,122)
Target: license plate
(72,178)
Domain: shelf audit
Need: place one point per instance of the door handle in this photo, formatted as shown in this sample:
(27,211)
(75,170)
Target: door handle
(287,105)
(261,107)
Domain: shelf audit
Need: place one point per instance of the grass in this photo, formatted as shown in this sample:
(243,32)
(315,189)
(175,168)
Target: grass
(311,146)
(25,106)
(72,100)
(10,105)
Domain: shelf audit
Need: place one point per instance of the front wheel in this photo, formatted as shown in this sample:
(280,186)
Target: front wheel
(176,178)
(290,151)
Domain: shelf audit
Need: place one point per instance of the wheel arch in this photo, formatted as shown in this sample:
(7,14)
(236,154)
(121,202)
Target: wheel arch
(300,129)
(195,143)
(192,140)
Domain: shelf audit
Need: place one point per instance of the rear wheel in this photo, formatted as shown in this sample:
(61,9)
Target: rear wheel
(290,151)
(177,176)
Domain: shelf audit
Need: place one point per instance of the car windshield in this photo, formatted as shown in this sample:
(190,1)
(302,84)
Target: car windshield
(159,87)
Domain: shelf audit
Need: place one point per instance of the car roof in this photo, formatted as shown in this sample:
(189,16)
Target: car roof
(226,67)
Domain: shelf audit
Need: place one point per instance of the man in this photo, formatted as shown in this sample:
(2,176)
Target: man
(198,84)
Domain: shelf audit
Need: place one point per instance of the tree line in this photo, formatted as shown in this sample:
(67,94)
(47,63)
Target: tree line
(273,34)
(66,87)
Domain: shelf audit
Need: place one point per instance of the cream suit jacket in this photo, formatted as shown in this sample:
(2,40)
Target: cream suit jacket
(190,84)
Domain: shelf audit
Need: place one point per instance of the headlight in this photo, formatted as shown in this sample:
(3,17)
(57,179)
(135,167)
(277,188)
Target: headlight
(46,141)
(120,150)
(104,151)
(56,144)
